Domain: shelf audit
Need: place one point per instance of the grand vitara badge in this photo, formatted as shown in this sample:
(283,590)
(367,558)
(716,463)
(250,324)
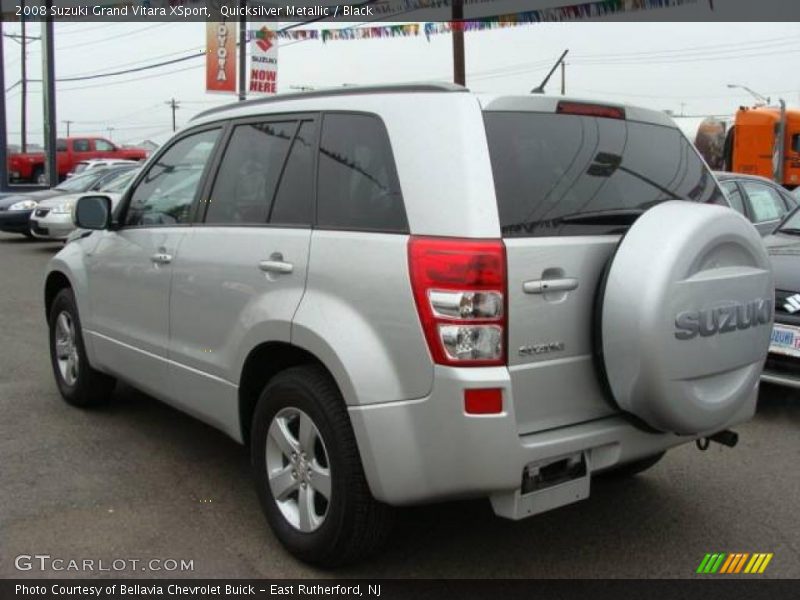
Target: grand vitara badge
(723,319)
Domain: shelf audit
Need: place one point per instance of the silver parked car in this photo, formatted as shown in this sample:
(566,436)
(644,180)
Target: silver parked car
(405,294)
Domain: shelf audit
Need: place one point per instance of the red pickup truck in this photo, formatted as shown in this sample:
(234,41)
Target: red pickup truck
(29,166)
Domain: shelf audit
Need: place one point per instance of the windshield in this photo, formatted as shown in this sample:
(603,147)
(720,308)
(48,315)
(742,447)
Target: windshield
(573,175)
(80,167)
(118,184)
(82,182)
(792,222)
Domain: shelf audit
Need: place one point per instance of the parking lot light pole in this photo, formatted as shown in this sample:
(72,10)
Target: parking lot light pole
(764,100)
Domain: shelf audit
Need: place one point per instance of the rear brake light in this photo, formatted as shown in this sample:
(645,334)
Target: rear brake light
(590,110)
(460,290)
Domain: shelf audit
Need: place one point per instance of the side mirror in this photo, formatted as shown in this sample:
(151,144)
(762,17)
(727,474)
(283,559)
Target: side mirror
(92,212)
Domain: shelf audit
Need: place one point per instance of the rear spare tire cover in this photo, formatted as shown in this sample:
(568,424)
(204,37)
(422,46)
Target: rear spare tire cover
(686,317)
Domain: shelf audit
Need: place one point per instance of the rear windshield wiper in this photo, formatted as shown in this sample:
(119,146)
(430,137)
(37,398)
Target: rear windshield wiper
(617,216)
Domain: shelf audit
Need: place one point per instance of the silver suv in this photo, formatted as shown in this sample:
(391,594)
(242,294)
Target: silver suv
(404,294)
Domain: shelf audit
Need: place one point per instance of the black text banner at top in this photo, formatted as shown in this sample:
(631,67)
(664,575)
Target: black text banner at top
(430,16)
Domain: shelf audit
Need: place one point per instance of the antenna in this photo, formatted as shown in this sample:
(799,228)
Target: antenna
(540,88)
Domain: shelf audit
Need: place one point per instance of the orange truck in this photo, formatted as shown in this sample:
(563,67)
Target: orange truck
(765,140)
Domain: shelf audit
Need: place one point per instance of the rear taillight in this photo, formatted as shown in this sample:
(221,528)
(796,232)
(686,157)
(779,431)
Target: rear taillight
(460,289)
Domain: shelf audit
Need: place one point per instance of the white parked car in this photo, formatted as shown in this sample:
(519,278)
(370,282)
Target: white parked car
(52,219)
(98,163)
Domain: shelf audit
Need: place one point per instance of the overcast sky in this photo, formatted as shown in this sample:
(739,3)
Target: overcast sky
(684,67)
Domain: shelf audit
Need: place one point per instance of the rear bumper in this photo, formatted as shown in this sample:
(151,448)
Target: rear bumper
(15,221)
(425,450)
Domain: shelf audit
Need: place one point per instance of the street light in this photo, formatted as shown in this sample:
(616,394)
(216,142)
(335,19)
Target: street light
(764,101)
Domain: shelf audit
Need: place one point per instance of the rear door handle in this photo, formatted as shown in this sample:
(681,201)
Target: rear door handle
(161,258)
(276,266)
(544,286)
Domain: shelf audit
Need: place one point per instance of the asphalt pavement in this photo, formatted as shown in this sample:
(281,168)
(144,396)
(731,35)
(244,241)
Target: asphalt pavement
(140,481)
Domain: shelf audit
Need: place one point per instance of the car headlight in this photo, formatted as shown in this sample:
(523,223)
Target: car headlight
(63,208)
(23,205)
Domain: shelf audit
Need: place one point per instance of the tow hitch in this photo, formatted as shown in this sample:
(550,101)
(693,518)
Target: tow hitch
(726,438)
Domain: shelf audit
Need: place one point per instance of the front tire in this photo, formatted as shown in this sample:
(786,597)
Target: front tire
(79,384)
(308,471)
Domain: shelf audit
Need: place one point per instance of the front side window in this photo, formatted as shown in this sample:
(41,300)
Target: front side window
(166,193)
(357,180)
(765,203)
(249,173)
(103,146)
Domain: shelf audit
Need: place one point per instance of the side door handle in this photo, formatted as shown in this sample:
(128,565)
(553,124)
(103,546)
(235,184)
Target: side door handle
(161,258)
(276,264)
(544,286)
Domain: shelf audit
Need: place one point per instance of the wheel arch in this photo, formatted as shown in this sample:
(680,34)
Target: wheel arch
(263,362)
(55,282)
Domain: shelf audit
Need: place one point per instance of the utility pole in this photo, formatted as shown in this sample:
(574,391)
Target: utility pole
(563,78)
(49,96)
(68,124)
(24,81)
(110,131)
(175,105)
(457,27)
(242,51)
(3,136)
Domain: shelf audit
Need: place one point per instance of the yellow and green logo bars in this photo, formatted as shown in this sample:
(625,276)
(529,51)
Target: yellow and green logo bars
(736,562)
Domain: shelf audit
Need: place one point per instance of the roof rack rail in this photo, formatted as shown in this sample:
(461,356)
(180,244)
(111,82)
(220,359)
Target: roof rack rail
(347,90)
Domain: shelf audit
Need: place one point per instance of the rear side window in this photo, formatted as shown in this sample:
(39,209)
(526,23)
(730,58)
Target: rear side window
(357,180)
(765,203)
(249,173)
(80,145)
(733,195)
(551,169)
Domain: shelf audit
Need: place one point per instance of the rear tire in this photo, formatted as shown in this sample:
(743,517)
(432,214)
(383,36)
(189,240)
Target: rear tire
(302,447)
(80,385)
(632,468)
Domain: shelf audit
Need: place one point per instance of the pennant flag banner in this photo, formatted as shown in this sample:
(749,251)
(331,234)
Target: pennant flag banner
(576,12)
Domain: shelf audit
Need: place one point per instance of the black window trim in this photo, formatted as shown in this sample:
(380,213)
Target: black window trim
(407,230)
(122,212)
(211,175)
